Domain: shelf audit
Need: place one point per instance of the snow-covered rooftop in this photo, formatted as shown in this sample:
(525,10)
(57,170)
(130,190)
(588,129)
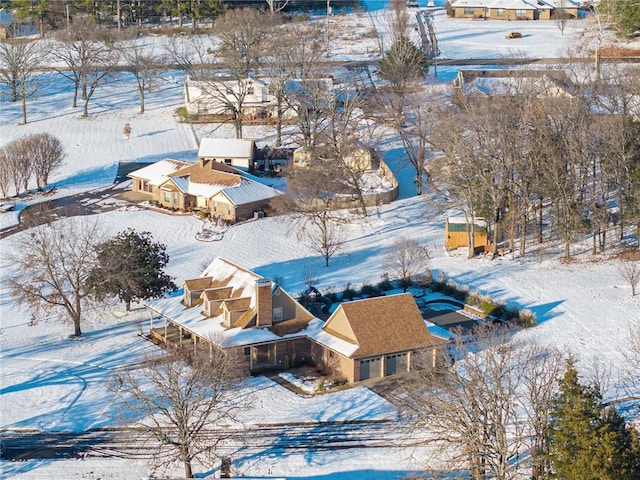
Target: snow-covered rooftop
(158,172)
(225,148)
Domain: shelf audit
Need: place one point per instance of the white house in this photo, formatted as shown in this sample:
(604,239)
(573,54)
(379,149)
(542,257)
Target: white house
(214,96)
(235,152)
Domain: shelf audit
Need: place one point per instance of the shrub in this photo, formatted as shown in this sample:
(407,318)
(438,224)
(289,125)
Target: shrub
(426,280)
(500,309)
(331,297)
(369,290)
(348,293)
(320,384)
(182,114)
(510,314)
(474,299)
(461,294)
(526,318)
(487,305)
(385,284)
(449,288)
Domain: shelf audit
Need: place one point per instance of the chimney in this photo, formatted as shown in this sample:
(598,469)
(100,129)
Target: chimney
(264,303)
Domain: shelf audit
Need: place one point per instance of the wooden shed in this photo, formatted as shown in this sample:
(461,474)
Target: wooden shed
(456,234)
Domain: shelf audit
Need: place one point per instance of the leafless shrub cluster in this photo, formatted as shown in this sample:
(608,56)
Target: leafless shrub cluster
(29,158)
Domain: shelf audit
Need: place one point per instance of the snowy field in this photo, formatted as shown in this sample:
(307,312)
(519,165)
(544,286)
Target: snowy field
(51,382)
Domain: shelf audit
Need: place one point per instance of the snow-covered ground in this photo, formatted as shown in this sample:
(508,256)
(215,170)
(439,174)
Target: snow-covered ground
(51,382)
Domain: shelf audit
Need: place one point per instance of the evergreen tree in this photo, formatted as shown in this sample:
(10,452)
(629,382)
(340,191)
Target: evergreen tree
(625,15)
(588,440)
(130,267)
(403,62)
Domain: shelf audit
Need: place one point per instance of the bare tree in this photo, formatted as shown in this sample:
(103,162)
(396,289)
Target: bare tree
(292,65)
(51,265)
(276,6)
(309,98)
(311,200)
(180,399)
(341,141)
(5,173)
(560,16)
(192,53)
(456,175)
(630,272)
(542,367)
(473,406)
(414,126)
(88,58)
(405,259)
(45,155)
(243,34)
(19,62)
(19,164)
(144,64)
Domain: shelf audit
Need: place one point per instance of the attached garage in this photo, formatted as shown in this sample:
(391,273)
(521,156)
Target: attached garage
(373,338)
(370,368)
(396,363)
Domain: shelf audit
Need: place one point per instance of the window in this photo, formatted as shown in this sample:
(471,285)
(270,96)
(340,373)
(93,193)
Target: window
(277,314)
(167,197)
(175,198)
(521,13)
(215,206)
(227,161)
(228,209)
(247,351)
(500,12)
(468,10)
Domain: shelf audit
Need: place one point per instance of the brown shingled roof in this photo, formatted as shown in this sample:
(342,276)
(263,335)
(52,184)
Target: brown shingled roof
(237,304)
(293,325)
(386,324)
(198,283)
(206,175)
(219,293)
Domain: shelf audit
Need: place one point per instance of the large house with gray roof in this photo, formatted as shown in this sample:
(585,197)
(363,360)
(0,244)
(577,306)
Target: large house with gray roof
(236,310)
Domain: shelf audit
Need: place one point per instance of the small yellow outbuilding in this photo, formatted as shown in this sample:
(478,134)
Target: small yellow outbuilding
(456,234)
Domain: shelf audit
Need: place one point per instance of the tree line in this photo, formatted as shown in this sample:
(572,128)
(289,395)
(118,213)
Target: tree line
(542,167)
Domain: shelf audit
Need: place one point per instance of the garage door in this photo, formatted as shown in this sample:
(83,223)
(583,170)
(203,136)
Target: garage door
(370,368)
(396,363)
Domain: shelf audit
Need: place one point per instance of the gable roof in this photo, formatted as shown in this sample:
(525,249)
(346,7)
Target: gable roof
(158,172)
(225,148)
(219,293)
(198,283)
(237,304)
(381,325)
